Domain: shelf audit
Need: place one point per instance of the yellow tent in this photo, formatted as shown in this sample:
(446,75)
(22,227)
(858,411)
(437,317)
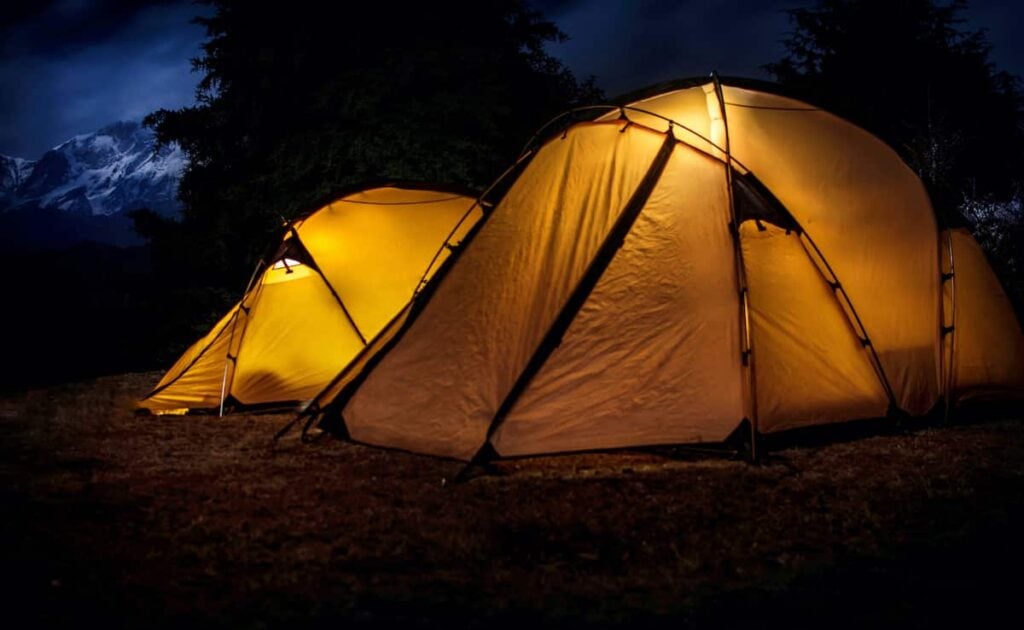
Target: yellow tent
(710,255)
(340,275)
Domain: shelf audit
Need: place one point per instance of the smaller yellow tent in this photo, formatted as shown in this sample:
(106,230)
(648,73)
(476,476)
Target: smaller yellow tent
(339,277)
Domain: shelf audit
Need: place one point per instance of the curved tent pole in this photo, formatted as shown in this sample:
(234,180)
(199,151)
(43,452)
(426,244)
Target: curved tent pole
(337,298)
(340,194)
(827,273)
(603,257)
(846,304)
(480,201)
(837,287)
(741,276)
(623,114)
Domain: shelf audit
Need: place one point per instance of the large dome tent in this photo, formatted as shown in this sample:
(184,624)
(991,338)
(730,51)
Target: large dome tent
(705,256)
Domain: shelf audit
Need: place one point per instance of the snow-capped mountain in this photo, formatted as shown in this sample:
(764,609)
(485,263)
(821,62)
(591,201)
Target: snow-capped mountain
(112,170)
(80,190)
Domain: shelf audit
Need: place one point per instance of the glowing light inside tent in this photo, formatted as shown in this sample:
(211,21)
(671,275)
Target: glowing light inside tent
(285,270)
(286,263)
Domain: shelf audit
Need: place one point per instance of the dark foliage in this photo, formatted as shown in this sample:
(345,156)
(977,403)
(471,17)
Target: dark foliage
(92,309)
(298,102)
(909,71)
(999,227)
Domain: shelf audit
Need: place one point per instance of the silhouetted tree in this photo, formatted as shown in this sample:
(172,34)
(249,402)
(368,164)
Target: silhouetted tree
(909,71)
(300,99)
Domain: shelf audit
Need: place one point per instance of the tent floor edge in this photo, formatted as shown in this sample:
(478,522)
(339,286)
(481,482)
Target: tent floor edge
(331,421)
(747,441)
(903,423)
(482,464)
(940,414)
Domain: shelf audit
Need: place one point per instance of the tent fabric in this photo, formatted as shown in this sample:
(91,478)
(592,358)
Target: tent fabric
(487,316)
(653,356)
(864,207)
(824,254)
(811,366)
(189,383)
(295,338)
(869,214)
(341,274)
(987,354)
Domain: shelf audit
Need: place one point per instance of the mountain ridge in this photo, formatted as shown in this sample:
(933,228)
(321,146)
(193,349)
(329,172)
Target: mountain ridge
(82,189)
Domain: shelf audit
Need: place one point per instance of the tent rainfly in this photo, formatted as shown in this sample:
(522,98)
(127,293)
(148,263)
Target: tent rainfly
(706,256)
(340,275)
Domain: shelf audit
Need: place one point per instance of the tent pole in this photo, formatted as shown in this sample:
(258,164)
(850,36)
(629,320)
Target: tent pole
(231,336)
(610,246)
(949,276)
(741,279)
(337,298)
(223,386)
(846,304)
(484,206)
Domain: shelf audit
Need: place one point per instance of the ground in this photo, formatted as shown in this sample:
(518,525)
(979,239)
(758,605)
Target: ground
(109,517)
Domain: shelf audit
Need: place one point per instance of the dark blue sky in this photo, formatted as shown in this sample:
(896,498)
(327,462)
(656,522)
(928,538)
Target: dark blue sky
(71,66)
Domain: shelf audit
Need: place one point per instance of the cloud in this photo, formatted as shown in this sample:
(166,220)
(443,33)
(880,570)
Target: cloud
(119,67)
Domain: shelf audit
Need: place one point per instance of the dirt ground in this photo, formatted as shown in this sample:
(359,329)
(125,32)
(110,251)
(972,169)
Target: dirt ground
(108,517)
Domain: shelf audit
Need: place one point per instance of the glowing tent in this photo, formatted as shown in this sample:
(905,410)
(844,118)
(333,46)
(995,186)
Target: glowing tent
(708,256)
(340,275)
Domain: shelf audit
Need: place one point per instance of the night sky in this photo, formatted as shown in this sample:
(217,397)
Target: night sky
(72,66)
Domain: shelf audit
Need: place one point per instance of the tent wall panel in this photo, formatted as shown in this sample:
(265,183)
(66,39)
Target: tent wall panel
(351,371)
(295,340)
(460,357)
(653,356)
(189,382)
(810,365)
(869,214)
(988,358)
(864,207)
(376,252)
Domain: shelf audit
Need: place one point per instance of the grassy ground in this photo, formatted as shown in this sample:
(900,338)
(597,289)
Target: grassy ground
(113,518)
